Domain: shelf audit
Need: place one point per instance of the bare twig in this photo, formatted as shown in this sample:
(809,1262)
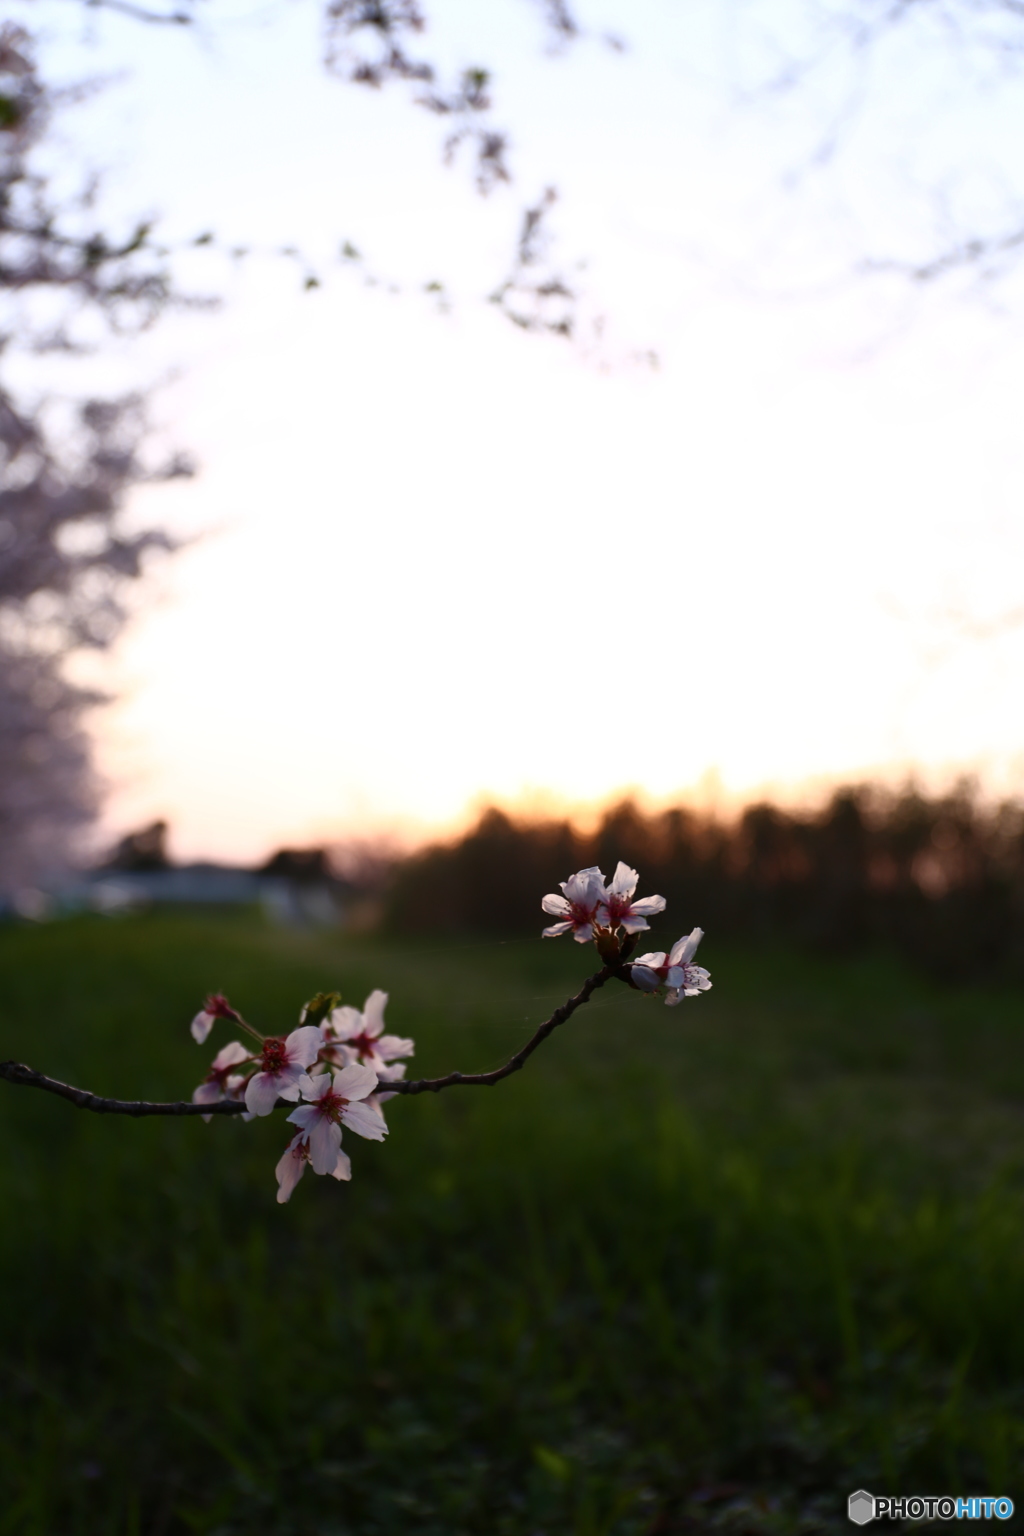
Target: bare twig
(488,1079)
(16,1072)
(22,1076)
(139,13)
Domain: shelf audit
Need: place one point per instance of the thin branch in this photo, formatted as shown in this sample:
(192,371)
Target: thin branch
(488,1079)
(139,13)
(16,1072)
(975,253)
(25,1077)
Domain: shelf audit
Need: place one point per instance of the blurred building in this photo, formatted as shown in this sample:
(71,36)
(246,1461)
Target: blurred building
(296,886)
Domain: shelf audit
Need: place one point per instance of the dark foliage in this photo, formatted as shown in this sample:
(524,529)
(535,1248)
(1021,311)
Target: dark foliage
(307,866)
(940,879)
(142,850)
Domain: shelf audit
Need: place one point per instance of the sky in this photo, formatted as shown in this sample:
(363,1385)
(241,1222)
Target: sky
(431,561)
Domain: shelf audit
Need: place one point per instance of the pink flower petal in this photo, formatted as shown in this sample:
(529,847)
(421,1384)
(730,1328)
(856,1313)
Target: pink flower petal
(305,1116)
(694,980)
(391,1072)
(314,1088)
(289,1170)
(355,1082)
(303,1044)
(684,949)
(201,1026)
(555,929)
(624,881)
(346,1022)
(389,1046)
(362,1119)
(343,1167)
(373,1013)
(585,888)
(555,906)
(324,1141)
(634,924)
(656,960)
(230,1055)
(646,979)
(261,1094)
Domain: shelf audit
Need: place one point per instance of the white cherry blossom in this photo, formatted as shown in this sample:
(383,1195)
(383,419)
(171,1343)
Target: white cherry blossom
(292,1165)
(284,1064)
(618,909)
(583,894)
(333,1101)
(673,971)
(352,1037)
(215,1007)
(221,1082)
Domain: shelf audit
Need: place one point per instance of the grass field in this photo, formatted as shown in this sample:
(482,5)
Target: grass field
(701,1269)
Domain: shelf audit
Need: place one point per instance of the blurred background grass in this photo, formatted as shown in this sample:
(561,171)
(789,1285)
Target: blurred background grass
(709,1268)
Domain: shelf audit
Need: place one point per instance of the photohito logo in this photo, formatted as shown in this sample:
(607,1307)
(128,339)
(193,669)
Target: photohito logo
(863,1506)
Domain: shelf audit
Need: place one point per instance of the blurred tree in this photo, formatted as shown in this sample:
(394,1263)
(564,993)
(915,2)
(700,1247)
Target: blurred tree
(142,850)
(64,470)
(862,48)
(66,466)
(940,880)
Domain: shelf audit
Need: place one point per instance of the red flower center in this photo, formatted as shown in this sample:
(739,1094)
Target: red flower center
(363,1044)
(219,1006)
(275,1055)
(332,1105)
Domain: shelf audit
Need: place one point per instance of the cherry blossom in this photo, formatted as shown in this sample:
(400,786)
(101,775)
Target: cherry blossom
(292,1165)
(334,1101)
(216,1007)
(673,971)
(583,894)
(351,1036)
(283,1065)
(618,909)
(220,1082)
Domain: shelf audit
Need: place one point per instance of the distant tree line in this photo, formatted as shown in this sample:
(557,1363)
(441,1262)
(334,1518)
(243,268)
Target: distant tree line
(940,879)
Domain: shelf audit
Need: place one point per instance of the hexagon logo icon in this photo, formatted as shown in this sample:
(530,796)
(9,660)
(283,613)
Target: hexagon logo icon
(861,1507)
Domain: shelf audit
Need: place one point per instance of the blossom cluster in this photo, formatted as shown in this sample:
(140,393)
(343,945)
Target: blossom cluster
(331,1067)
(592,908)
(335,1067)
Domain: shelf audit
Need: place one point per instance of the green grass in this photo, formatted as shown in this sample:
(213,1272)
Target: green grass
(700,1269)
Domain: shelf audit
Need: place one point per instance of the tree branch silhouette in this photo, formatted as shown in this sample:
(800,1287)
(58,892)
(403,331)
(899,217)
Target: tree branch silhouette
(20,1075)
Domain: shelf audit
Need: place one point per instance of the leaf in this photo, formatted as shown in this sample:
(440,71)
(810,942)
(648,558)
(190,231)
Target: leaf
(551,1462)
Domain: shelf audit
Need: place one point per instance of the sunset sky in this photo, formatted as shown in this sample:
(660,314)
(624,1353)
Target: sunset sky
(434,560)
